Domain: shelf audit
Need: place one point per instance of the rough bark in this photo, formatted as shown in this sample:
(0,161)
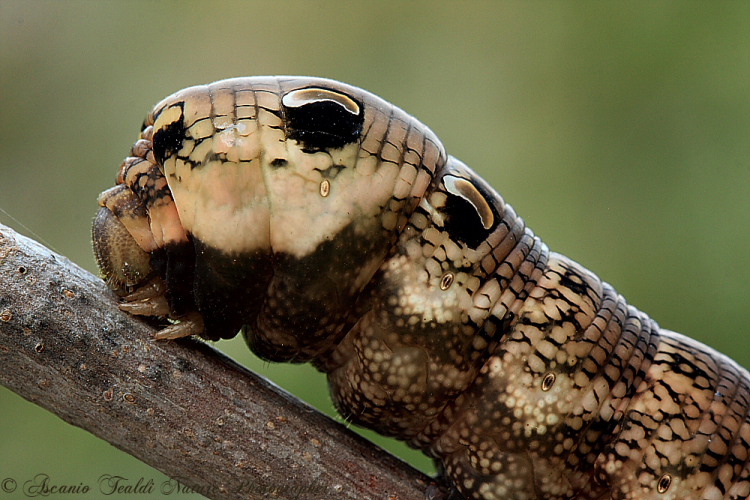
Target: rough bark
(181,406)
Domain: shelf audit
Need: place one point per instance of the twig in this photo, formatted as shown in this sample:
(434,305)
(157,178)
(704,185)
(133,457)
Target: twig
(181,407)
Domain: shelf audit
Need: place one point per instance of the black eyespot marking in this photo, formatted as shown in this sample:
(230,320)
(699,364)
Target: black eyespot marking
(278,162)
(469,217)
(168,140)
(321,118)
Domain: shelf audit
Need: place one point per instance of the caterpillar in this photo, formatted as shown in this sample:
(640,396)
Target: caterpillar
(330,226)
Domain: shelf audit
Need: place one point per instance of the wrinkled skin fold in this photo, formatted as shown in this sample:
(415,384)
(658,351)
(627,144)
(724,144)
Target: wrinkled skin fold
(329,226)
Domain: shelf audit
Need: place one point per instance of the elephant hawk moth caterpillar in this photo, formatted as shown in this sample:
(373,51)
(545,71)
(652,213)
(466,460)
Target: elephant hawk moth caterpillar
(329,226)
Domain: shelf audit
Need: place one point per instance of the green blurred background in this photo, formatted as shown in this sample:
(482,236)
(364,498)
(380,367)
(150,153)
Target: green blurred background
(619,131)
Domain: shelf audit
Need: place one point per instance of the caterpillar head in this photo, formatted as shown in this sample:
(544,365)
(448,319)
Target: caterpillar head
(262,203)
(123,263)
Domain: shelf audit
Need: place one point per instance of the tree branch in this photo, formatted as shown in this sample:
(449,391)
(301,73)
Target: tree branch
(181,407)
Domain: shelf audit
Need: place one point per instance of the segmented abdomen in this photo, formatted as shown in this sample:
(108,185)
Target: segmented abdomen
(533,379)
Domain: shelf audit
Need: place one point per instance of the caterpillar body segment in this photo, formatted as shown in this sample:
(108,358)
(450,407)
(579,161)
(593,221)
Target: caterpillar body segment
(330,226)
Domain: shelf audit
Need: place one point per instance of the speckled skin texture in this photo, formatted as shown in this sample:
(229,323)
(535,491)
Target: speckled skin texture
(330,226)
